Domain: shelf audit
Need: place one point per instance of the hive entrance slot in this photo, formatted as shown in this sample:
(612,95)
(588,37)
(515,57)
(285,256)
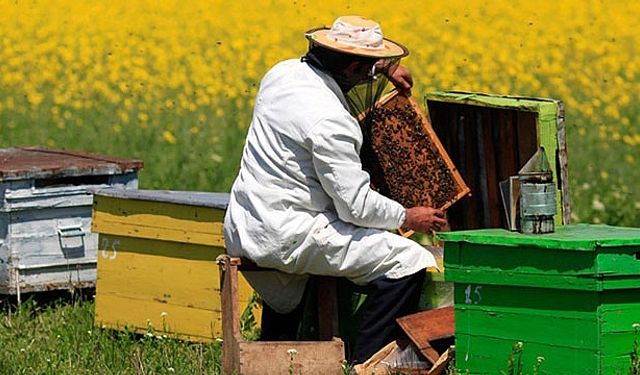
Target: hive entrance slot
(71,181)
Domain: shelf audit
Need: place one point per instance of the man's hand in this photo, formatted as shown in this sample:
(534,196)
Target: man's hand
(424,219)
(401,78)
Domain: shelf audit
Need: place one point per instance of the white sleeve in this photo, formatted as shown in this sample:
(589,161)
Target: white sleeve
(334,145)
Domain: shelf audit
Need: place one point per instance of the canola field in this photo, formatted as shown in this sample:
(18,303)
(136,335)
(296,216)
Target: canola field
(173,82)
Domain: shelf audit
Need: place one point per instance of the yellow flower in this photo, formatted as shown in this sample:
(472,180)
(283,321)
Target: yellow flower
(169,137)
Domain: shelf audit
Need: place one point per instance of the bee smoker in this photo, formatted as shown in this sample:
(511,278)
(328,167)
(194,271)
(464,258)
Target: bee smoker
(530,197)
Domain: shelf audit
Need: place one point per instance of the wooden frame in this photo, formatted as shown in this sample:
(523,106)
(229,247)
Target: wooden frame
(401,165)
(270,357)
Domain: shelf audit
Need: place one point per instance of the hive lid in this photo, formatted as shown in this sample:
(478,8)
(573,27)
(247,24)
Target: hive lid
(190,198)
(35,162)
(586,237)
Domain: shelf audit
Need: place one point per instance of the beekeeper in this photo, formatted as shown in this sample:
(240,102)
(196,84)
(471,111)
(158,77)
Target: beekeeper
(301,203)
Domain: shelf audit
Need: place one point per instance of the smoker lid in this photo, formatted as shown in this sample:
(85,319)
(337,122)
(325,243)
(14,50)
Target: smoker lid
(36,162)
(190,198)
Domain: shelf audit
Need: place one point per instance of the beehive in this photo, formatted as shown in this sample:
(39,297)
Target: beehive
(489,138)
(45,215)
(157,262)
(572,297)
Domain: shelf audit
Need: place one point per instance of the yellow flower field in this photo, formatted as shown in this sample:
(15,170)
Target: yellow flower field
(173,82)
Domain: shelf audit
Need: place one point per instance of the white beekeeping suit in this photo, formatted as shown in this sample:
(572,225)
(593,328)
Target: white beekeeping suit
(301,203)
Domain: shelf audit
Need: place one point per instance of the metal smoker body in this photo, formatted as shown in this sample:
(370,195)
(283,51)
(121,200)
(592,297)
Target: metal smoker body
(537,203)
(530,197)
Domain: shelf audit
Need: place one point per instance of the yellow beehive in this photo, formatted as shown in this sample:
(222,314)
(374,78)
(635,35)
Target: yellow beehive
(157,262)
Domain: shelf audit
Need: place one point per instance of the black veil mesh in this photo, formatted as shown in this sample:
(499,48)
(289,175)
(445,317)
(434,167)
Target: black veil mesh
(363,97)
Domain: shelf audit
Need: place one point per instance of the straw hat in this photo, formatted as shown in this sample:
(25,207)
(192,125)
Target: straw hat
(357,36)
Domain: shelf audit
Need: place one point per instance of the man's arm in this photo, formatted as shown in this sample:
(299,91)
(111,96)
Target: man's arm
(334,144)
(397,74)
(424,219)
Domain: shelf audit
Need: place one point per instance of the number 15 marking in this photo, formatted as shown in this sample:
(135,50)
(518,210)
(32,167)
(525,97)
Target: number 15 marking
(472,298)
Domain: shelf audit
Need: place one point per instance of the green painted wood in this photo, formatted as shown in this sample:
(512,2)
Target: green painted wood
(580,237)
(524,280)
(575,257)
(619,261)
(525,259)
(531,104)
(572,297)
(489,355)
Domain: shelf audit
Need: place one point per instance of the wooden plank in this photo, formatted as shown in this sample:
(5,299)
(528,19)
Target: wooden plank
(149,275)
(527,136)
(231,315)
(504,137)
(133,270)
(158,220)
(275,357)
(425,327)
(494,217)
(40,163)
(479,116)
(187,198)
(327,308)
(469,125)
(563,164)
(52,278)
(118,312)
(504,133)
(457,217)
(448,128)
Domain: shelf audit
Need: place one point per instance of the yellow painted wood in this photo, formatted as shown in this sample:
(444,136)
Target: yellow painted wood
(173,286)
(141,316)
(158,220)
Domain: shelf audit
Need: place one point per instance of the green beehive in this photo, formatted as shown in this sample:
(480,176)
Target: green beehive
(571,297)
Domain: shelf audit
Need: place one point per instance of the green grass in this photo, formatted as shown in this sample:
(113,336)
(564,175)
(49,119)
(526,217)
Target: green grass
(58,337)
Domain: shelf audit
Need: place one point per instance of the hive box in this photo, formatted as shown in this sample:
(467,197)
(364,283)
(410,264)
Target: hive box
(489,138)
(157,262)
(45,214)
(571,297)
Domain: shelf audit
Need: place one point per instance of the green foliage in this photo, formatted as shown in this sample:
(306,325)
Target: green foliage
(635,353)
(59,338)
(514,362)
(249,327)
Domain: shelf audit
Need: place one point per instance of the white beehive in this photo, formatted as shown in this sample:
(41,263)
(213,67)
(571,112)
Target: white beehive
(45,216)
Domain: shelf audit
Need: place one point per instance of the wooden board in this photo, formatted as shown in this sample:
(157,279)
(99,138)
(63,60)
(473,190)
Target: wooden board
(157,263)
(426,327)
(172,287)
(158,220)
(41,163)
(273,357)
(405,159)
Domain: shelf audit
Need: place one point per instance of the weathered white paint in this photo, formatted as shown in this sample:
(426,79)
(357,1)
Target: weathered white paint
(45,234)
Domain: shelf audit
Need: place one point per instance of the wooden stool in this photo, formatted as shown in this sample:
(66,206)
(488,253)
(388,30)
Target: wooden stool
(277,357)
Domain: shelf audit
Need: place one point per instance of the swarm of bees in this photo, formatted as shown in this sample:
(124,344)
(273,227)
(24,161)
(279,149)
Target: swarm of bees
(403,158)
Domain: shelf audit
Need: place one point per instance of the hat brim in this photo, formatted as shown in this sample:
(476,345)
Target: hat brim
(390,49)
